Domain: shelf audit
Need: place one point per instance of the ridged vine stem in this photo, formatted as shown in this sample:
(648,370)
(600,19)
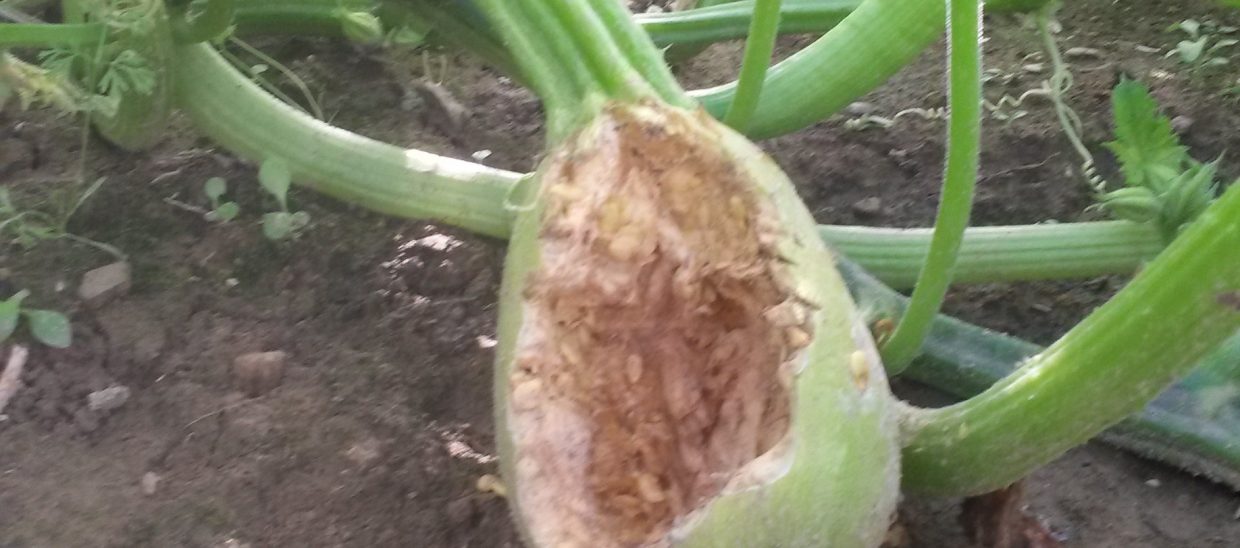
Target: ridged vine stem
(763,30)
(1180,308)
(959,179)
(38,35)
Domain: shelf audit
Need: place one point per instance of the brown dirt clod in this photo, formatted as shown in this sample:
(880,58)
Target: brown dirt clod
(259,373)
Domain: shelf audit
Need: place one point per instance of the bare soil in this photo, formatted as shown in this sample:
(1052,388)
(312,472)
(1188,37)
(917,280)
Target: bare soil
(381,426)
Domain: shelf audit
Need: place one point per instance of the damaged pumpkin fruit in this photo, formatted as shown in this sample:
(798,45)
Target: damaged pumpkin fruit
(679,361)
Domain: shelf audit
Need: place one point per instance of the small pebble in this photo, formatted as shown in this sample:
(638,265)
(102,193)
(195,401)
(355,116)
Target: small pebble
(258,373)
(107,400)
(488,483)
(868,206)
(860,108)
(1082,52)
(104,284)
(150,483)
(1181,124)
(1153,482)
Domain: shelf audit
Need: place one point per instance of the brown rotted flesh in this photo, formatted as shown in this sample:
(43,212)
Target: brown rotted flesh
(654,359)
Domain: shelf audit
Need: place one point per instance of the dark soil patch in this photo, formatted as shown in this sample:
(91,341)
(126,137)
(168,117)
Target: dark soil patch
(382,425)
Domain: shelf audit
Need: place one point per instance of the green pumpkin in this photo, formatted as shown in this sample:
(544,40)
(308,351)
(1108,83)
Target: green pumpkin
(679,362)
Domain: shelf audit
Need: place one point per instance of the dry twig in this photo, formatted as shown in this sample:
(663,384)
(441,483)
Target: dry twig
(11,378)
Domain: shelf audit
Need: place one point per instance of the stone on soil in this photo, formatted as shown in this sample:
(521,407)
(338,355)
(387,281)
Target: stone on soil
(105,283)
(258,373)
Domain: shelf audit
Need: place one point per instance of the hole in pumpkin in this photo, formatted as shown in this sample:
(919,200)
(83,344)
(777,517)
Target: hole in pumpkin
(654,359)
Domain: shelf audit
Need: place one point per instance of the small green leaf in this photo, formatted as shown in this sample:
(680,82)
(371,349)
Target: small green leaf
(1189,195)
(360,26)
(275,178)
(258,69)
(50,327)
(9,312)
(277,226)
(227,211)
(1190,26)
(1147,148)
(128,72)
(214,188)
(406,36)
(1191,50)
(282,225)
(58,60)
(299,220)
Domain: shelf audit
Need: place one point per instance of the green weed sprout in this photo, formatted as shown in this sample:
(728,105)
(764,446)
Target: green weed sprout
(221,211)
(1163,184)
(1203,50)
(274,177)
(360,26)
(47,326)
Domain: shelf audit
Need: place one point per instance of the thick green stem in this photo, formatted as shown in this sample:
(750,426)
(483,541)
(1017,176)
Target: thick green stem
(1173,313)
(577,55)
(1003,253)
(36,35)
(435,20)
(733,20)
(461,30)
(699,26)
(763,31)
(1184,426)
(641,52)
(858,54)
(317,17)
(602,56)
(868,46)
(212,22)
(956,203)
(559,86)
(854,57)
(987,254)
(235,112)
